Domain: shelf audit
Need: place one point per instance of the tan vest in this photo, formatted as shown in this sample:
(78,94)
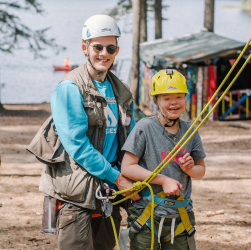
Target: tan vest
(62,177)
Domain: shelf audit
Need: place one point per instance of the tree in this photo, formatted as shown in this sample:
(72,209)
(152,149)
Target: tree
(209,15)
(140,8)
(158,19)
(134,78)
(124,7)
(143,21)
(13,32)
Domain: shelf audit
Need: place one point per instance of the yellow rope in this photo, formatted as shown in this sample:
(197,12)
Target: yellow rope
(138,186)
(115,233)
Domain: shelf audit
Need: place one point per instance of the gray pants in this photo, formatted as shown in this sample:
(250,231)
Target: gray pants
(77,230)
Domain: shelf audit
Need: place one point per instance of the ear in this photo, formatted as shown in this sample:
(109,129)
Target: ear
(117,51)
(84,48)
(155,100)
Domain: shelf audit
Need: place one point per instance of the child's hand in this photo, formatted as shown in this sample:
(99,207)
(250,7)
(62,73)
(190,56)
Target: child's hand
(186,162)
(171,186)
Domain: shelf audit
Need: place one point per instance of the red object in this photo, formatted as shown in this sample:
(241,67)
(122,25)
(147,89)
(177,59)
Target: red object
(66,68)
(96,215)
(212,82)
(232,61)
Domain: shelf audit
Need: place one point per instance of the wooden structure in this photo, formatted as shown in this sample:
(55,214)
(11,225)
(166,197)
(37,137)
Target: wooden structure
(204,58)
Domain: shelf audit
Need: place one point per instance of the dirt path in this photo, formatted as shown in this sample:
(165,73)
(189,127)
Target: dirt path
(222,199)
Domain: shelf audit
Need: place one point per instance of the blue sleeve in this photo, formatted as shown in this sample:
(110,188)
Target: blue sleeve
(133,119)
(71,123)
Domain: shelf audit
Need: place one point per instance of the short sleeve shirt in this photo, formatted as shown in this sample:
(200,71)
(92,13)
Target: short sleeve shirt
(151,143)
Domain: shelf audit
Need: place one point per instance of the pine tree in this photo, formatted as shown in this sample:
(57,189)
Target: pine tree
(14,33)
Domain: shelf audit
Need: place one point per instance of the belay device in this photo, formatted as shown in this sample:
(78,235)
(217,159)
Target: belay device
(106,204)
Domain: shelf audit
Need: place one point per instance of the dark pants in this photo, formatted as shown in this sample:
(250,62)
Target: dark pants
(79,231)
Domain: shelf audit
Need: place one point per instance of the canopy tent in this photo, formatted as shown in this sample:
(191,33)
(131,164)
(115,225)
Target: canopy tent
(193,47)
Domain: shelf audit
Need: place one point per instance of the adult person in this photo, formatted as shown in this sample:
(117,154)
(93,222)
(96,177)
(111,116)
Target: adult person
(92,114)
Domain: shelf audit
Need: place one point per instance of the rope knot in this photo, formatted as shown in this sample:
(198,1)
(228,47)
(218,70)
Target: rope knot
(137,185)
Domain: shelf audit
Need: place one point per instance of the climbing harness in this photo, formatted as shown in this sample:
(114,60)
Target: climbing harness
(145,217)
(139,186)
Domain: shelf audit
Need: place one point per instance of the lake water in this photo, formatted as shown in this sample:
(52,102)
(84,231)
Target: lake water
(27,80)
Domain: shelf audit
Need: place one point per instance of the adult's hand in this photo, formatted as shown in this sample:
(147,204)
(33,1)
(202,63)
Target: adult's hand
(124,183)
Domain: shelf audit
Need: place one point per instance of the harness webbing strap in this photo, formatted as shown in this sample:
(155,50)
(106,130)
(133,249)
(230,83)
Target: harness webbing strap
(160,199)
(179,229)
(145,217)
(184,217)
(185,225)
(147,212)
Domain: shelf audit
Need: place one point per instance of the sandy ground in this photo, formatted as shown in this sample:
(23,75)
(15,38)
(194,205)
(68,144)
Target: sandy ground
(222,199)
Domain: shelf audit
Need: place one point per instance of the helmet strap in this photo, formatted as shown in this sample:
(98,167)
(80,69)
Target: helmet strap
(168,120)
(171,120)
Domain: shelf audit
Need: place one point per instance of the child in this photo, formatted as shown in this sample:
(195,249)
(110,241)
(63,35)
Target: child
(146,147)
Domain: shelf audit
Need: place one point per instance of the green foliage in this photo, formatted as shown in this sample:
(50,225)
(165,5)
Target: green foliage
(246,6)
(124,7)
(13,32)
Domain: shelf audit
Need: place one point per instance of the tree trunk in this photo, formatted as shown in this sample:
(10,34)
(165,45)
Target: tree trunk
(134,78)
(158,19)
(209,15)
(143,21)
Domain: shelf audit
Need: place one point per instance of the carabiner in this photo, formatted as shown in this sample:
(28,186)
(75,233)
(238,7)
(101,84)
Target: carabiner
(107,190)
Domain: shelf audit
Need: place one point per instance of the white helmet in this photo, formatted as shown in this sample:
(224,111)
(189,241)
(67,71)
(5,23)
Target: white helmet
(100,25)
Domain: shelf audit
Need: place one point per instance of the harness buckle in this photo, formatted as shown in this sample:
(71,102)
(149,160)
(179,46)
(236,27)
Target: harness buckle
(191,232)
(136,227)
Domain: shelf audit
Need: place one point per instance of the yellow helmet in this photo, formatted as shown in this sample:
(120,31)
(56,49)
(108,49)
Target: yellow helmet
(168,81)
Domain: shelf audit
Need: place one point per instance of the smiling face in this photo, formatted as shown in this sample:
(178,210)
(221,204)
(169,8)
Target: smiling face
(102,60)
(172,105)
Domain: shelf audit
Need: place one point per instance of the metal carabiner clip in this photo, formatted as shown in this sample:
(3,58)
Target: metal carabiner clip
(106,204)
(99,195)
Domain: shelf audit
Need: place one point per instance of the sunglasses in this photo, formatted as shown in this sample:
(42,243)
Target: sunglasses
(111,49)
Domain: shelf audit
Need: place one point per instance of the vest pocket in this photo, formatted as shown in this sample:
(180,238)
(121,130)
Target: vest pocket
(46,145)
(94,114)
(67,218)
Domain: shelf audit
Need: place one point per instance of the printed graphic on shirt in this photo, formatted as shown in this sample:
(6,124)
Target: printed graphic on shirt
(111,126)
(176,158)
(110,100)
(112,121)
